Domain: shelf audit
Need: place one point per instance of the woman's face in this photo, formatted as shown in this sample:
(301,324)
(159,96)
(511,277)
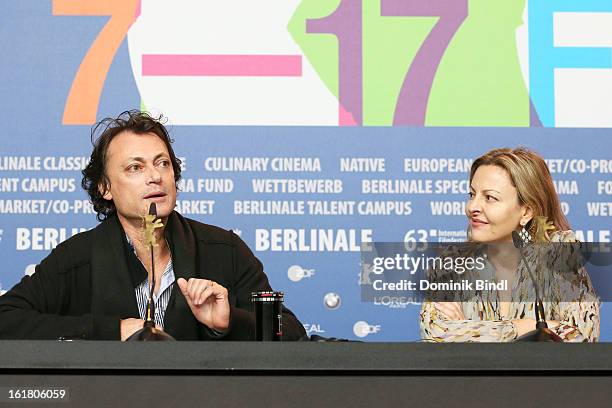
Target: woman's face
(493,209)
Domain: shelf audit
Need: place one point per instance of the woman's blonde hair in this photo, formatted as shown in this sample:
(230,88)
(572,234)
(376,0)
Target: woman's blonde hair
(531,178)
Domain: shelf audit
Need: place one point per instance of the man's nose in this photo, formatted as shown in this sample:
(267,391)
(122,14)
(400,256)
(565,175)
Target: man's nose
(154,176)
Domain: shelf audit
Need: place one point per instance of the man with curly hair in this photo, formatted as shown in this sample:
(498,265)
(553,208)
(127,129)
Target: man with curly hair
(95,285)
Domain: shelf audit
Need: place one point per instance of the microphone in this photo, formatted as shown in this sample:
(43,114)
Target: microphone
(539,306)
(541,332)
(150,320)
(148,331)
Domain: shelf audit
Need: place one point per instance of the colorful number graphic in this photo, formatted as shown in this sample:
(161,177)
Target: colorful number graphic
(82,102)
(411,105)
(345,23)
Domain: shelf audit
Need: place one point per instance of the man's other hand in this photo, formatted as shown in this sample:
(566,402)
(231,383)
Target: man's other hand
(208,302)
(131,326)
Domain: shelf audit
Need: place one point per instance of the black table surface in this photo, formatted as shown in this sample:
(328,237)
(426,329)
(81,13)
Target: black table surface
(308,357)
(307,374)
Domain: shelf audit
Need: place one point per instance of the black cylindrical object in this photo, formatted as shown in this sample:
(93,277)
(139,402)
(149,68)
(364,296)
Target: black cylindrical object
(268,307)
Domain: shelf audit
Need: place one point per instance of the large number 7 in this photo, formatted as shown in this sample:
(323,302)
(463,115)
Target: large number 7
(411,105)
(82,102)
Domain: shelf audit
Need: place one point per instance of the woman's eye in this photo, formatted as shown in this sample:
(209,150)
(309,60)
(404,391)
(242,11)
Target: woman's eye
(134,167)
(491,198)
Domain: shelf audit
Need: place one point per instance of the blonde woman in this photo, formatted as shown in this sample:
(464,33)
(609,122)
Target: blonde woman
(511,189)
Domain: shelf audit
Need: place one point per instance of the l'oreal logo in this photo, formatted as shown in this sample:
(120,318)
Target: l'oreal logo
(313,328)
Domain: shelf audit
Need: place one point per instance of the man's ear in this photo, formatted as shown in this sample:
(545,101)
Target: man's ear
(104,191)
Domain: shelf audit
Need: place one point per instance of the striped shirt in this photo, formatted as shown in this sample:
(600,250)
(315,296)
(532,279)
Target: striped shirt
(161,298)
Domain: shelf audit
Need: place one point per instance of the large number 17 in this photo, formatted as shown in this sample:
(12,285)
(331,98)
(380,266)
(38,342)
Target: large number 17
(82,102)
(346,24)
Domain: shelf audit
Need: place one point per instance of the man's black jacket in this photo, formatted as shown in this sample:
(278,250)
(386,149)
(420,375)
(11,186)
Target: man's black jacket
(86,285)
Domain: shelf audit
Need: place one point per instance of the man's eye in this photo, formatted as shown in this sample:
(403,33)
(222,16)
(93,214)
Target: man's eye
(134,167)
(164,163)
(491,198)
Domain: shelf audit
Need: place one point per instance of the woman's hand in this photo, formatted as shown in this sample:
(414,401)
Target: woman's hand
(451,310)
(524,326)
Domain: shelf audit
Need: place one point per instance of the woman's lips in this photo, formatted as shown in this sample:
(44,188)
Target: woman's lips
(477,223)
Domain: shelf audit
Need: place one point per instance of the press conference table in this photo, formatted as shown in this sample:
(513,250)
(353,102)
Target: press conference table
(220,374)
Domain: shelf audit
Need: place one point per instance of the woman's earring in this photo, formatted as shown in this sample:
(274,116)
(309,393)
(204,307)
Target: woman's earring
(525,236)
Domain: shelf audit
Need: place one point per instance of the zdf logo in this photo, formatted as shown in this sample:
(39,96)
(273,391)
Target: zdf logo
(296,273)
(362,329)
(365,274)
